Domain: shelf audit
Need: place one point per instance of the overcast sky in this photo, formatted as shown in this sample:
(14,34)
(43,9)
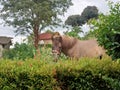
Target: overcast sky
(77,8)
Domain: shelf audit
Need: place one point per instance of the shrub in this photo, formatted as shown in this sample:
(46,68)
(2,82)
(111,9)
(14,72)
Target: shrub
(85,74)
(25,75)
(88,75)
(20,51)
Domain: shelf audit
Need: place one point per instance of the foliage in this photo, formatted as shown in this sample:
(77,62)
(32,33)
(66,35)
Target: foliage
(25,51)
(78,20)
(89,35)
(31,16)
(85,74)
(20,52)
(30,39)
(25,14)
(90,12)
(107,29)
(74,20)
(74,32)
(19,75)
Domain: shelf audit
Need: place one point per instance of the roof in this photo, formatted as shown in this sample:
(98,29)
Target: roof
(5,40)
(45,36)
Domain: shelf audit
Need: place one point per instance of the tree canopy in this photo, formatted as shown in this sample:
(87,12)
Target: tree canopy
(74,20)
(31,16)
(78,20)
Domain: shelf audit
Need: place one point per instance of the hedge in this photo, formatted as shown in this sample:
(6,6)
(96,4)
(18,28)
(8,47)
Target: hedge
(85,74)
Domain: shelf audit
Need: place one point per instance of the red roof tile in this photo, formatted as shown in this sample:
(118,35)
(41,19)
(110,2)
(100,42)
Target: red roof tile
(45,36)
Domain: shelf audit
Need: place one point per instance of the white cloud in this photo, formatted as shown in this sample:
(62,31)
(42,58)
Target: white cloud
(6,31)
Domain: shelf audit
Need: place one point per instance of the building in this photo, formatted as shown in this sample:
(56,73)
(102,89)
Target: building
(45,38)
(5,43)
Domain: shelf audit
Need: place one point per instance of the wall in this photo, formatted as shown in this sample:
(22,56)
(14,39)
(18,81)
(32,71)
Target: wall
(1,49)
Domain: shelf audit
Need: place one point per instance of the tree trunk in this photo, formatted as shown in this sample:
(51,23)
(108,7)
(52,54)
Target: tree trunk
(36,36)
(36,40)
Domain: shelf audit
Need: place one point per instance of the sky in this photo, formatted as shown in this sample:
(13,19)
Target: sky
(77,8)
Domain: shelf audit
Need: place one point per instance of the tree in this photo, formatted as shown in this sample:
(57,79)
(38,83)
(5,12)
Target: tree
(78,20)
(75,20)
(107,29)
(74,32)
(90,12)
(31,16)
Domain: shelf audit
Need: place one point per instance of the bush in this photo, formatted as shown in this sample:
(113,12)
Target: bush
(20,51)
(89,74)
(85,74)
(25,75)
